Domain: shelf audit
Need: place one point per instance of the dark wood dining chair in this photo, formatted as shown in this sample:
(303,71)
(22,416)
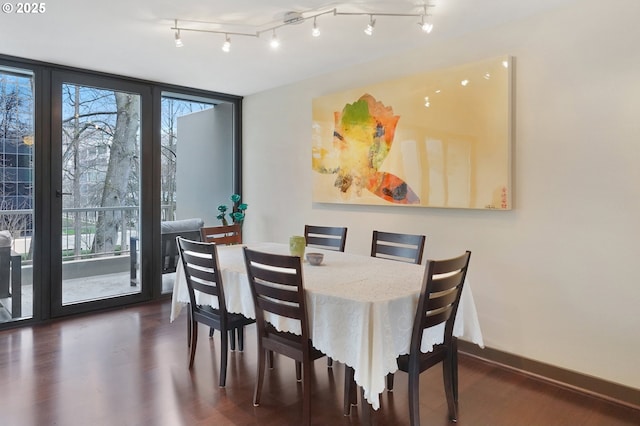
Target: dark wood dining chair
(200,262)
(280,292)
(329,238)
(224,234)
(325,237)
(439,299)
(402,247)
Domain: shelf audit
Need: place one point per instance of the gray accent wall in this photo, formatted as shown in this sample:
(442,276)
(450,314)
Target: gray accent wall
(204,166)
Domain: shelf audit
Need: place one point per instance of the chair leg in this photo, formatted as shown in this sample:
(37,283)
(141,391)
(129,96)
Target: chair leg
(232,339)
(240,332)
(211,330)
(414,397)
(390,382)
(270,357)
(449,387)
(298,371)
(224,353)
(261,364)
(350,390)
(306,393)
(329,362)
(454,366)
(194,341)
(189,328)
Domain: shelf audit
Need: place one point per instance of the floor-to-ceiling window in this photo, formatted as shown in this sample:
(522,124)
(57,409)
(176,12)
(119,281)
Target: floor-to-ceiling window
(91,164)
(197,153)
(17,130)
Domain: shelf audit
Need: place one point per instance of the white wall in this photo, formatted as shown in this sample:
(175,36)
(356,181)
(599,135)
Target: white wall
(555,279)
(204,159)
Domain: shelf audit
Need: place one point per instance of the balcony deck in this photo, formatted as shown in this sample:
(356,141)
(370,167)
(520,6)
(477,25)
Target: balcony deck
(81,289)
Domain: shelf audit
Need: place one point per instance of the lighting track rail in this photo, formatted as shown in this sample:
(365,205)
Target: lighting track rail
(294,18)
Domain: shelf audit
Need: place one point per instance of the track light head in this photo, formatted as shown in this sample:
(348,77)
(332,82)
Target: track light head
(370,26)
(426,26)
(178,40)
(275,43)
(226,46)
(315,31)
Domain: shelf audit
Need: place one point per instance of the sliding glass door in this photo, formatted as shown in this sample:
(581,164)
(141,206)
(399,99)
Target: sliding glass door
(97,130)
(91,168)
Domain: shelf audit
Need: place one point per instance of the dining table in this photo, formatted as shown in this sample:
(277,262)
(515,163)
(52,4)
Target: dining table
(360,308)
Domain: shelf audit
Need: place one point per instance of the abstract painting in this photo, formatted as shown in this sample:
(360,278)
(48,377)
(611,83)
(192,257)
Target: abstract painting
(438,139)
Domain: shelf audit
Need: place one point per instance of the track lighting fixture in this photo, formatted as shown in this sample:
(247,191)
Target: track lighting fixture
(315,31)
(291,18)
(275,43)
(426,26)
(178,40)
(370,26)
(226,46)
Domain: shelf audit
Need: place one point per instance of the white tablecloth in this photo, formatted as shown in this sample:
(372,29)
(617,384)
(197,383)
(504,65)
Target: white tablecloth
(360,308)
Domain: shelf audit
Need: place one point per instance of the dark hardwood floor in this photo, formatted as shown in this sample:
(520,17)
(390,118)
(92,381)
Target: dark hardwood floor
(129,367)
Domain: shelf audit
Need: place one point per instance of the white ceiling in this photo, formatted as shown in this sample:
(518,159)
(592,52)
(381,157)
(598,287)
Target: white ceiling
(133,37)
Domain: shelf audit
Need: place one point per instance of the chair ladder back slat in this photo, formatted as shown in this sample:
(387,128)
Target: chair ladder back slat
(195,260)
(323,242)
(327,237)
(225,240)
(210,289)
(275,277)
(392,237)
(445,283)
(273,260)
(395,246)
(436,319)
(450,265)
(207,277)
(281,309)
(407,253)
(223,235)
(289,295)
(443,300)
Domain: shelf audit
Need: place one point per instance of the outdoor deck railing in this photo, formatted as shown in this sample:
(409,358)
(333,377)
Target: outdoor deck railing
(79,229)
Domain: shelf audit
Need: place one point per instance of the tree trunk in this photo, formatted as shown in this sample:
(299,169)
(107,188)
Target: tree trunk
(123,154)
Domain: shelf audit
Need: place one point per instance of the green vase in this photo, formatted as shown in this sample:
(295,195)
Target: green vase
(296,246)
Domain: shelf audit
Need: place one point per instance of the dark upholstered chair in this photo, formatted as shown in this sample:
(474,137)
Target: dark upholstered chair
(281,292)
(438,304)
(326,237)
(169,230)
(222,235)
(200,262)
(11,278)
(402,247)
